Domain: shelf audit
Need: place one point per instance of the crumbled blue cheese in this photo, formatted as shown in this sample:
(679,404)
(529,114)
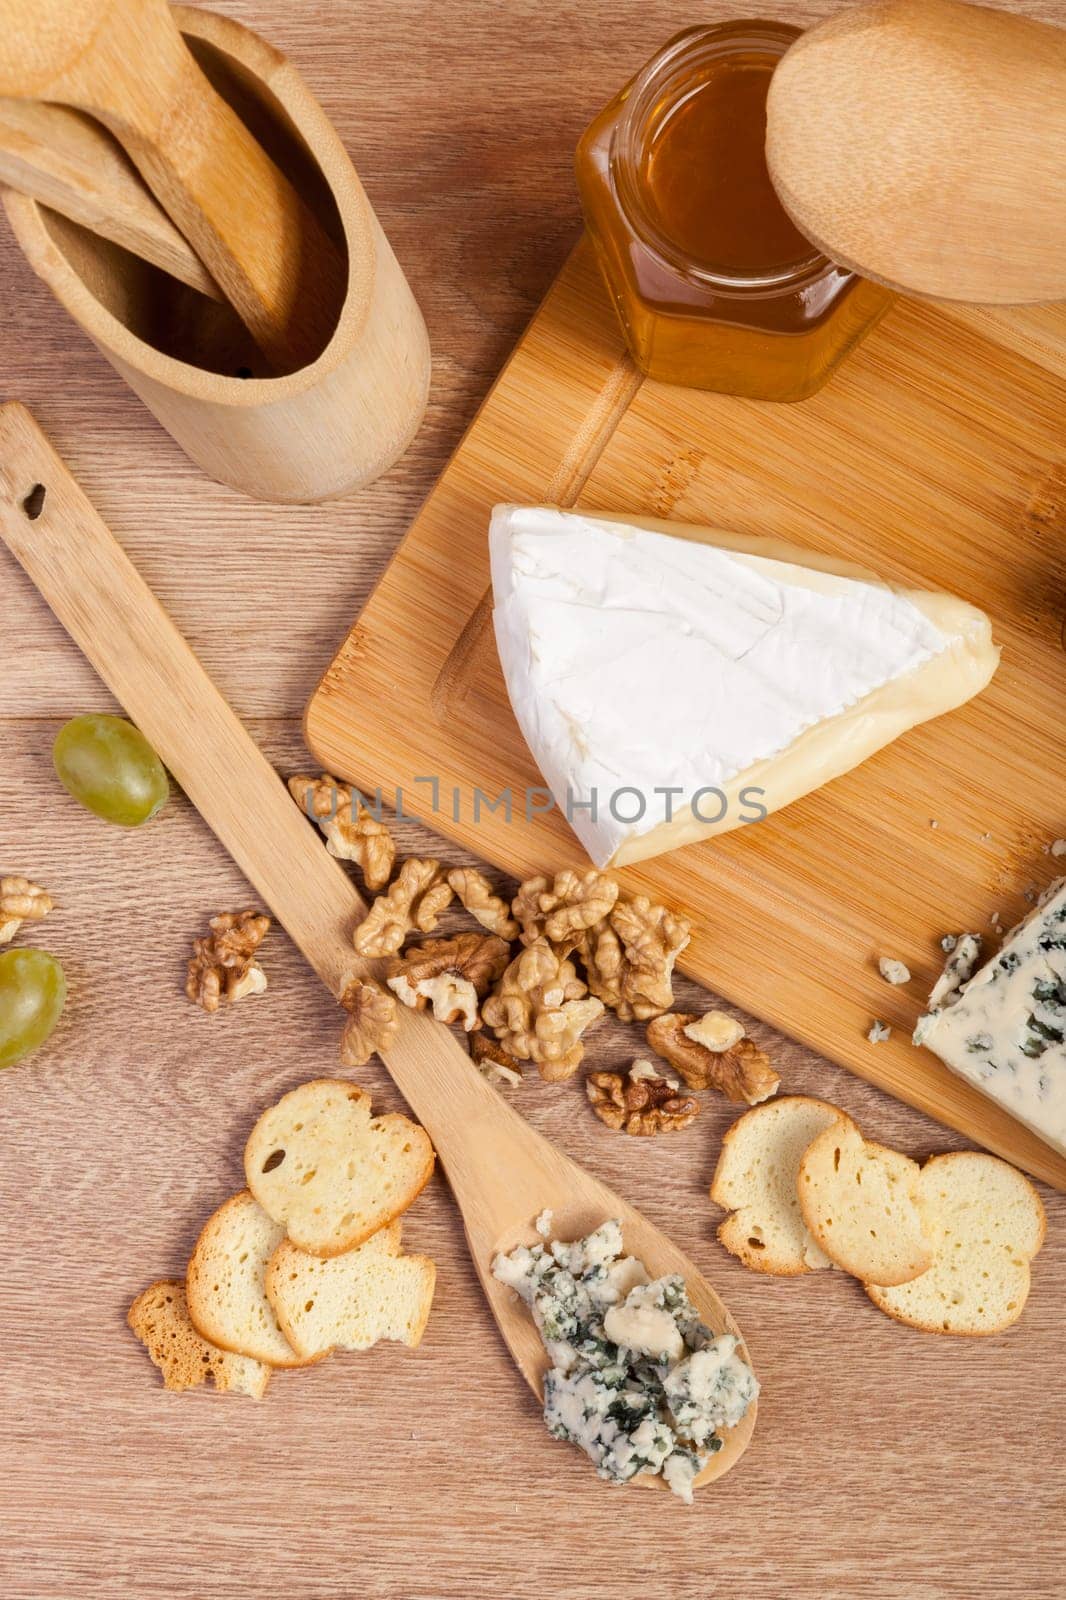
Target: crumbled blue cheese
(1004,1028)
(893,971)
(709,1390)
(879,1031)
(637,1380)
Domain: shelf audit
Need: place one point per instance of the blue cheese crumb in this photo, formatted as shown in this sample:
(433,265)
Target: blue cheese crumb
(879,1032)
(637,1380)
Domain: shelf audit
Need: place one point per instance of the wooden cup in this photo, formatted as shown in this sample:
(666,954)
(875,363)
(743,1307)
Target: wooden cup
(321,431)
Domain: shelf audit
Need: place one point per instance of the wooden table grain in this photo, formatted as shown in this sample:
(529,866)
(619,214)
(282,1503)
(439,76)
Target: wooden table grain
(886,1463)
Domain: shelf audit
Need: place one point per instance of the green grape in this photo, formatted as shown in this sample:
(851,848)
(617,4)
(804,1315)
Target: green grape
(33,992)
(109,766)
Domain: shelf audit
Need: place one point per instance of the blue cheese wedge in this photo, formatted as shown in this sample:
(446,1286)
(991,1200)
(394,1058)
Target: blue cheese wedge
(637,1380)
(1004,1027)
(673,682)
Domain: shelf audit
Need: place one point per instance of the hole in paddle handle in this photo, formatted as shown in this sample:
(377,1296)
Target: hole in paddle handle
(33,503)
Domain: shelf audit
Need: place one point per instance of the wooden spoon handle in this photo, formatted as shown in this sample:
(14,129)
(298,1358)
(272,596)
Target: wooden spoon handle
(91,585)
(66,161)
(111,614)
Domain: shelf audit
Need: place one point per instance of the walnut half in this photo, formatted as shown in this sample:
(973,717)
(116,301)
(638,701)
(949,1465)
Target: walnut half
(742,1073)
(451,975)
(351,832)
(223,966)
(640,1102)
(630,957)
(413,903)
(21,901)
(475,893)
(563,909)
(539,1010)
(373,1022)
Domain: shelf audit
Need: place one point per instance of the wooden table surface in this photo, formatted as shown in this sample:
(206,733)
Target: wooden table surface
(885,1463)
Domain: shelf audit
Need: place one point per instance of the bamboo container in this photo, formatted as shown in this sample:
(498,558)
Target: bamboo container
(321,431)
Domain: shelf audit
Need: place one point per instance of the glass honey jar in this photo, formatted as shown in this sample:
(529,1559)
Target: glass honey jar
(715,286)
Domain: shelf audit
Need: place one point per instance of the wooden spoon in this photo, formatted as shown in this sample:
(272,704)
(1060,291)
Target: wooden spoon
(66,161)
(125,63)
(502,1173)
(923,143)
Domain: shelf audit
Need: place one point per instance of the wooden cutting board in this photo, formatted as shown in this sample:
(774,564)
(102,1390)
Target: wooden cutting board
(935,456)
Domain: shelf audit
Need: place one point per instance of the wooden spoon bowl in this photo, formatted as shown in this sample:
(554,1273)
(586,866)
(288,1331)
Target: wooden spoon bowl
(922,143)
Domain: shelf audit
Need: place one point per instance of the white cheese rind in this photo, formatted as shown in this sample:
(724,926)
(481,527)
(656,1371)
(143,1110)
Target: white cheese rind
(647,657)
(1004,1030)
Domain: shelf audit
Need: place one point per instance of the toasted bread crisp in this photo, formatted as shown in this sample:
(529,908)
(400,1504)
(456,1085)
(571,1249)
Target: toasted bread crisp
(327,1172)
(862,1205)
(990,1223)
(755,1180)
(226,1283)
(351,1301)
(160,1319)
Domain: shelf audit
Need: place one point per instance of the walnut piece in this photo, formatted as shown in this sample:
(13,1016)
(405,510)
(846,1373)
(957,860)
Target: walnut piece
(373,1022)
(742,1073)
(352,833)
(413,904)
(493,1062)
(629,958)
(564,909)
(539,1010)
(716,1031)
(452,975)
(643,1068)
(223,966)
(22,901)
(477,896)
(640,1102)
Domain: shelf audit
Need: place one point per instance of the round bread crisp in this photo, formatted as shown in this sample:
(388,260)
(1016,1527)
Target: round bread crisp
(226,1283)
(990,1223)
(330,1174)
(756,1180)
(351,1301)
(861,1203)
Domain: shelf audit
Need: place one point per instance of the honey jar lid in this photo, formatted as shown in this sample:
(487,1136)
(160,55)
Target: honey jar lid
(919,143)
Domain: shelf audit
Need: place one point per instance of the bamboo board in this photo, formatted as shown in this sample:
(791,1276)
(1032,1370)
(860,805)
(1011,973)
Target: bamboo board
(935,455)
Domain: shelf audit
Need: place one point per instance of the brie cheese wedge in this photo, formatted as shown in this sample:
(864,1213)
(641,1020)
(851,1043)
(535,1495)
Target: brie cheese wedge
(673,682)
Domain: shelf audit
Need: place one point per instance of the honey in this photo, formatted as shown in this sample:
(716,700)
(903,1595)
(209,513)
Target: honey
(715,286)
